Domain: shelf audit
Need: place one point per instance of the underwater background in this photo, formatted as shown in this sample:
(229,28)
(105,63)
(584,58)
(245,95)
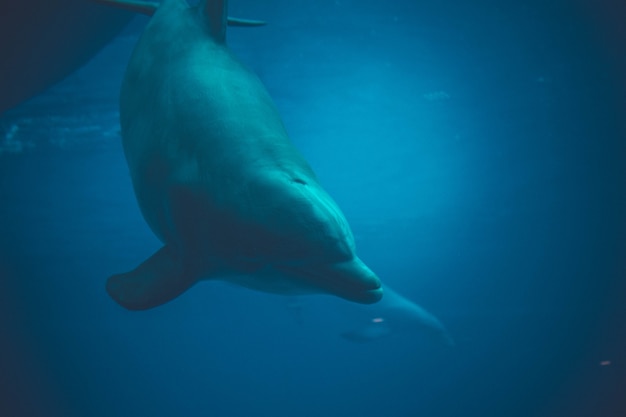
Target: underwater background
(477,149)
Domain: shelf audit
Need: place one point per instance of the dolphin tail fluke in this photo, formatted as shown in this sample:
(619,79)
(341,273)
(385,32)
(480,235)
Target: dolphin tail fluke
(157,280)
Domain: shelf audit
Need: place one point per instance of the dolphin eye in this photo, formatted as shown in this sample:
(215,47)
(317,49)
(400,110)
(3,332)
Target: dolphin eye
(299,181)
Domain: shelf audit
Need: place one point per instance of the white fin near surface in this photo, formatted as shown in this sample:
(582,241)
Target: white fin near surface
(235,21)
(157,280)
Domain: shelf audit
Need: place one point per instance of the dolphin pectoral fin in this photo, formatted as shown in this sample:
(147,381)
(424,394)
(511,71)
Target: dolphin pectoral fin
(156,281)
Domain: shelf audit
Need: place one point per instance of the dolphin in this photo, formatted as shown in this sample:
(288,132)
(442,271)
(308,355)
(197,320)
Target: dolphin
(221,185)
(216,177)
(43,41)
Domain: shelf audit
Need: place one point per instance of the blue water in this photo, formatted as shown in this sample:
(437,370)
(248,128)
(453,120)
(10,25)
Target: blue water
(477,150)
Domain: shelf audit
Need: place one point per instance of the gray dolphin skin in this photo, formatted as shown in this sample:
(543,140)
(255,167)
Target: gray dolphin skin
(216,176)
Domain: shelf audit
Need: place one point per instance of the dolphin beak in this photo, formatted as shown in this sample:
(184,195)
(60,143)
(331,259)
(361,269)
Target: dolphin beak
(351,280)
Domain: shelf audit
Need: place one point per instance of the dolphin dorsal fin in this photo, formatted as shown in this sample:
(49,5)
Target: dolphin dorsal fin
(215,14)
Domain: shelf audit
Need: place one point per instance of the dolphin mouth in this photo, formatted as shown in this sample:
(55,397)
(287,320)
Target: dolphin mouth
(362,297)
(372,296)
(351,280)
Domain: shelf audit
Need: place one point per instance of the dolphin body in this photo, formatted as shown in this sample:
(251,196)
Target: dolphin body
(219,182)
(216,176)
